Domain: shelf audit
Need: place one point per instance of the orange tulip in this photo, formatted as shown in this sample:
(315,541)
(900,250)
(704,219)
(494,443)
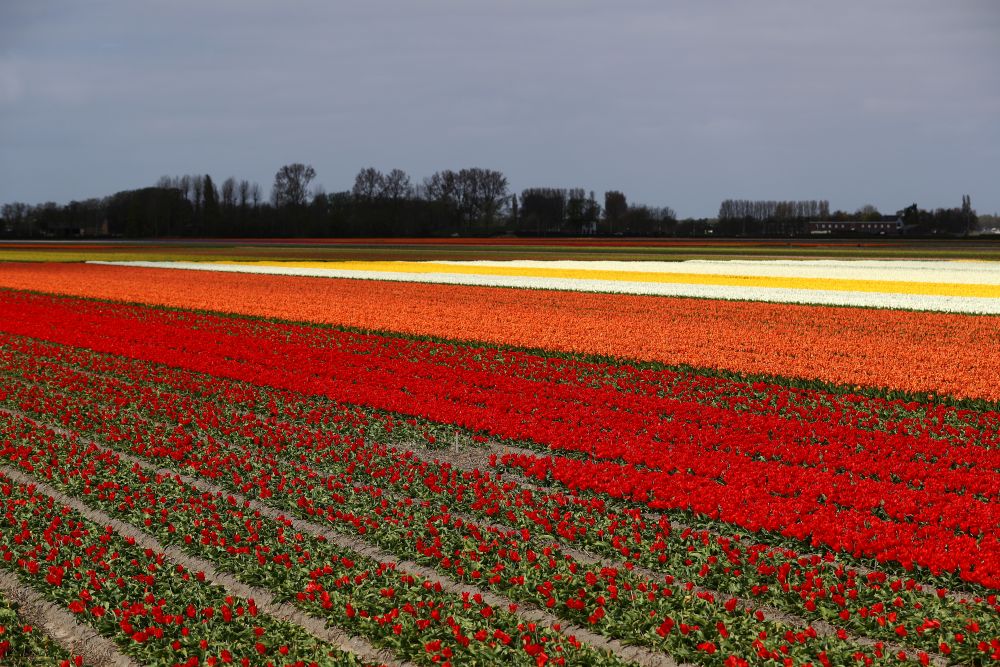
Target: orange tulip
(915,351)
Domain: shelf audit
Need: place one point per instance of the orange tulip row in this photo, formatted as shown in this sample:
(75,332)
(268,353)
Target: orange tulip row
(914,351)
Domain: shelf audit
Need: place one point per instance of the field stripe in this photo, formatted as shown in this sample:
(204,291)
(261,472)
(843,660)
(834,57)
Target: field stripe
(584,557)
(264,599)
(641,655)
(973,299)
(720,274)
(926,271)
(913,351)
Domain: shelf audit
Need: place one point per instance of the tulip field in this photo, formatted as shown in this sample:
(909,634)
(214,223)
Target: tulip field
(273,462)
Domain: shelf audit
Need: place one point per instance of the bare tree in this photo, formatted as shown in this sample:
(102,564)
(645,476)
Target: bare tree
(396,185)
(244,190)
(16,218)
(291,184)
(615,208)
(197,191)
(969,218)
(442,187)
(868,213)
(210,195)
(543,210)
(368,184)
(228,193)
(480,194)
(185,186)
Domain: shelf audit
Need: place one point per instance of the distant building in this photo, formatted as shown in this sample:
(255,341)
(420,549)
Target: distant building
(889,224)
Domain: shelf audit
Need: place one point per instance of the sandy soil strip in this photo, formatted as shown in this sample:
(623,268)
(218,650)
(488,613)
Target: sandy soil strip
(592,560)
(60,624)
(264,599)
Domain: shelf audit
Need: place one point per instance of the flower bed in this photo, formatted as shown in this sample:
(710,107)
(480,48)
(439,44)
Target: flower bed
(921,352)
(825,525)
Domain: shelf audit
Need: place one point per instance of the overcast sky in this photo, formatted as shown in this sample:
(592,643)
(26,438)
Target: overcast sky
(674,103)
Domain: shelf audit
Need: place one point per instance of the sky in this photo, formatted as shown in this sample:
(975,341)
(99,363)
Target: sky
(679,104)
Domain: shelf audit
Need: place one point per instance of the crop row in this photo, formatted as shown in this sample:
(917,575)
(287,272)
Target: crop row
(462,549)
(951,354)
(488,498)
(561,585)
(918,504)
(410,480)
(394,608)
(160,613)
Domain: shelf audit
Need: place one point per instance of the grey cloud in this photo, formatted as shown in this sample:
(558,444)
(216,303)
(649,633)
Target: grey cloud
(674,103)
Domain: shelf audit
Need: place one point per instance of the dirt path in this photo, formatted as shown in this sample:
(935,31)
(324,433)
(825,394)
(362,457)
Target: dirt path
(61,625)
(469,461)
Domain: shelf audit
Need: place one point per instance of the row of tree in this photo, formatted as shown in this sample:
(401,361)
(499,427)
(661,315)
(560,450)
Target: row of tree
(746,217)
(949,221)
(472,201)
(468,202)
(762,217)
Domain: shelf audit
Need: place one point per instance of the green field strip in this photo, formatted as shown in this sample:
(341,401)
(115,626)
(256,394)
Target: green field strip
(194,250)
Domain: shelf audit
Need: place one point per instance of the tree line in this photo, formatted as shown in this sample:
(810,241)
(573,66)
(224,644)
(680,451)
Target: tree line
(769,218)
(467,202)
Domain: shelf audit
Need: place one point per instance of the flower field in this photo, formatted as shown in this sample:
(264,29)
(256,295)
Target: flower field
(209,466)
(972,287)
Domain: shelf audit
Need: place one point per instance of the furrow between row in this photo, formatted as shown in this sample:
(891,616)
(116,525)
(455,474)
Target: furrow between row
(264,599)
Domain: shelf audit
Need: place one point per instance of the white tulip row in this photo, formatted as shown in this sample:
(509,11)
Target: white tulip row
(919,271)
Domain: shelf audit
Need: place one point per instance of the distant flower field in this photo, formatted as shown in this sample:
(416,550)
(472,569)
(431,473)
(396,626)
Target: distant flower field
(972,287)
(488,462)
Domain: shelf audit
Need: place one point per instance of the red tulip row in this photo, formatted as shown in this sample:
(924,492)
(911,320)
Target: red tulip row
(393,608)
(617,603)
(487,498)
(160,613)
(949,475)
(417,477)
(752,397)
(840,508)
(862,411)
